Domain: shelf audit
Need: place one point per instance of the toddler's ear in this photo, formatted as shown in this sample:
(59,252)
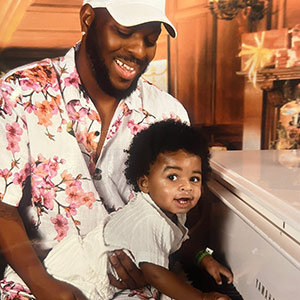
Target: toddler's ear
(143,184)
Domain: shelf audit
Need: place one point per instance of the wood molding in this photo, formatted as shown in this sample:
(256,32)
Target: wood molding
(12,13)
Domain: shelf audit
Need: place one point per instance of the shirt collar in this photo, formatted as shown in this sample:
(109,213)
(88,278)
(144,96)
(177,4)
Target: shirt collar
(134,101)
(181,217)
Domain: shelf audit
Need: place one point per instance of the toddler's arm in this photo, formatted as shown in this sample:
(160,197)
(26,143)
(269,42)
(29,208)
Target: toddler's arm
(169,284)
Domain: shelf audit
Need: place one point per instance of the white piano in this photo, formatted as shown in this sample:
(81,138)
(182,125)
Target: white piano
(255,221)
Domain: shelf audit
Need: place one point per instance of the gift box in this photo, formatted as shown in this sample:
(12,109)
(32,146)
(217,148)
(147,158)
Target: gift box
(260,47)
(282,58)
(286,58)
(295,40)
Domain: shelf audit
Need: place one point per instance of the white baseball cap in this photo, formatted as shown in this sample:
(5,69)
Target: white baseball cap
(134,12)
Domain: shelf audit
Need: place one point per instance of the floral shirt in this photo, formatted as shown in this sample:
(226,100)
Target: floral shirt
(49,128)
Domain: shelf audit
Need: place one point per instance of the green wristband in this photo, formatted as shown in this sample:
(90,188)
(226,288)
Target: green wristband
(202,253)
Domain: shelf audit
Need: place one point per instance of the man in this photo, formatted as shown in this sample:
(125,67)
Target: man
(64,126)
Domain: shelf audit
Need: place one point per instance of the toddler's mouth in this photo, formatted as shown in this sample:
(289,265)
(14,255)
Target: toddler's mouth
(183,200)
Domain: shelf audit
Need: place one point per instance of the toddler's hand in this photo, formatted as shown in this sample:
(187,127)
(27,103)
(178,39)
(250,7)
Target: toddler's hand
(215,269)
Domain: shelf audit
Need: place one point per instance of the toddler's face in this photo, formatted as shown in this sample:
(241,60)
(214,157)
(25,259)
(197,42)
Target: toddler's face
(174,181)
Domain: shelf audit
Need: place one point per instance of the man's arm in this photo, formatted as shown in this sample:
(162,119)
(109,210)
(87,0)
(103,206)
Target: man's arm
(130,276)
(20,255)
(169,284)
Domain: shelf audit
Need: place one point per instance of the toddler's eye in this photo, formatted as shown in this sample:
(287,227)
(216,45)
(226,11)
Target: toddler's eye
(172,177)
(195,179)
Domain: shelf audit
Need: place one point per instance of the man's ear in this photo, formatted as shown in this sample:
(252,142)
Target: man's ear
(143,183)
(87,16)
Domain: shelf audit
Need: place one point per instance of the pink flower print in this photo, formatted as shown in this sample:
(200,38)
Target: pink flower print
(5,173)
(28,106)
(71,210)
(43,172)
(135,128)
(20,177)
(74,193)
(76,115)
(44,113)
(46,167)
(87,139)
(94,116)
(13,146)
(73,80)
(115,127)
(7,97)
(54,104)
(11,290)
(28,84)
(117,124)
(88,199)
(43,192)
(14,131)
(66,177)
(126,110)
(47,198)
(172,116)
(38,78)
(61,226)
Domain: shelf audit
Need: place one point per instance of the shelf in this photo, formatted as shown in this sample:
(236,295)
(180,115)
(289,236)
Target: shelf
(267,76)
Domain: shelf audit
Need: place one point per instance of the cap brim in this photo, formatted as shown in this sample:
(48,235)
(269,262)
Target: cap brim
(136,14)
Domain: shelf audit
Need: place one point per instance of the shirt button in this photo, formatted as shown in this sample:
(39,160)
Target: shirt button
(98,174)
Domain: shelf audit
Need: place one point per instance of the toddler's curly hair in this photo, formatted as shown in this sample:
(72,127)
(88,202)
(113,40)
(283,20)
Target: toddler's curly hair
(162,137)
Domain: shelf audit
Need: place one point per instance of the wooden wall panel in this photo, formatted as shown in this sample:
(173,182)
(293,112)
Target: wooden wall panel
(193,63)
(285,13)
(190,60)
(204,63)
(229,86)
(292,17)
(34,23)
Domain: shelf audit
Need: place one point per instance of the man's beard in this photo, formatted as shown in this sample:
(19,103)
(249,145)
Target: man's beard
(100,70)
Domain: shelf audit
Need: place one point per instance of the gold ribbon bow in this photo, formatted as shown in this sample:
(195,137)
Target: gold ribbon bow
(259,57)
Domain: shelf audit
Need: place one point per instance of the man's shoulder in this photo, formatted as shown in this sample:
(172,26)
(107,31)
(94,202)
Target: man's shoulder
(33,66)
(160,103)
(31,78)
(148,89)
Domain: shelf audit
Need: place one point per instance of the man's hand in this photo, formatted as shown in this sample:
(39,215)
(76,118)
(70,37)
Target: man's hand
(131,277)
(215,269)
(59,290)
(215,296)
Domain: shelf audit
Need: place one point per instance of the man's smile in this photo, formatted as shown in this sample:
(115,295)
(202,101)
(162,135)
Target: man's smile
(124,70)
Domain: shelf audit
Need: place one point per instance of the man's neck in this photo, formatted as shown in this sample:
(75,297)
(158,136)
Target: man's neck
(105,104)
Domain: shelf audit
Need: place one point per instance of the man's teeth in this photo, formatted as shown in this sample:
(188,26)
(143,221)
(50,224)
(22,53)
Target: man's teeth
(121,64)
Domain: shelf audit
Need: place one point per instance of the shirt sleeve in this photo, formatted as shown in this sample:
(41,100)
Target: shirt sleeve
(148,239)
(155,244)
(14,162)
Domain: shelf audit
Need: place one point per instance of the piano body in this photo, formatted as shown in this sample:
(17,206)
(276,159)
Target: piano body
(255,220)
